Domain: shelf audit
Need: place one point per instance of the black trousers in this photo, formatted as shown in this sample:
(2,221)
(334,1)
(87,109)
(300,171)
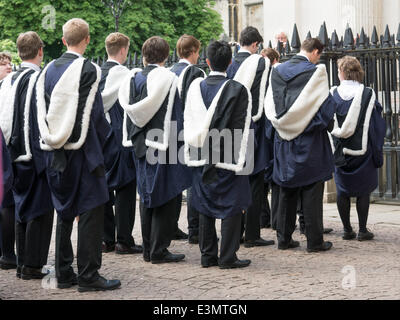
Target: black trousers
(362,206)
(230,239)
(192,216)
(312,198)
(158,227)
(178,211)
(33,240)
(275,189)
(265,216)
(90,232)
(251,220)
(7,232)
(124,220)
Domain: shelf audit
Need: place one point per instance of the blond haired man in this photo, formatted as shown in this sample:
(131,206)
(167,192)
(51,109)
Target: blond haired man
(76,136)
(121,177)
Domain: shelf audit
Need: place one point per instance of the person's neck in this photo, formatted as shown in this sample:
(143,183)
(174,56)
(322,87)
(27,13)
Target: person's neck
(120,60)
(79,50)
(36,62)
(246,48)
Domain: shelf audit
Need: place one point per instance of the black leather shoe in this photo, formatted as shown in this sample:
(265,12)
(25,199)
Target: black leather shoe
(325,246)
(123,249)
(146,256)
(327,230)
(365,236)
(242,240)
(194,239)
(169,257)
(65,284)
(100,284)
(180,235)
(349,235)
(258,243)
(237,264)
(107,247)
(291,245)
(28,273)
(7,264)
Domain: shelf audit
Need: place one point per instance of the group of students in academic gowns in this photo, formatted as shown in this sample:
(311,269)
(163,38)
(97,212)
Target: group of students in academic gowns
(81,139)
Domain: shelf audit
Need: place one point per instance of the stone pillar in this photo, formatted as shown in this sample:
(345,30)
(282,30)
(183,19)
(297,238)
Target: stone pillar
(330,191)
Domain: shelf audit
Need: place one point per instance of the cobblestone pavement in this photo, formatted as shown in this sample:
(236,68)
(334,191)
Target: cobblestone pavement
(350,270)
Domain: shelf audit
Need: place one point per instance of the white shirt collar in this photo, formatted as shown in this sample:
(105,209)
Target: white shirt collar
(153,64)
(185,61)
(244,50)
(348,89)
(112,60)
(75,53)
(217,73)
(33,66)
(303,55)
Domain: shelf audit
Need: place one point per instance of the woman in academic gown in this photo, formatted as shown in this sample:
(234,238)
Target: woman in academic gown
(357,138)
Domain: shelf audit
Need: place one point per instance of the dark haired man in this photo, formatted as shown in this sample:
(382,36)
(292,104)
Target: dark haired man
(219,191)
(78,142)
(33,206)
(188,49)
(121,177)
(149,98)
(303,155)
(252,70)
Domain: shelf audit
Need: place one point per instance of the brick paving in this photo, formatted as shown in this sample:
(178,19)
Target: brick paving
(351,270)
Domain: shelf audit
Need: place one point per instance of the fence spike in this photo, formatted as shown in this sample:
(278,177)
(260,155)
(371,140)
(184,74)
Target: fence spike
(398,36)
(287,48)
(270,44)
(387,38)
(280,47)
(174,57)
(363,39)
(374,38)
(296,44)
(309,35)
(348,39)
(358,41)
(335,40)
(323,35)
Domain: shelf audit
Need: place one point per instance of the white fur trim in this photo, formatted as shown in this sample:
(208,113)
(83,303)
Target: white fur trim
(28,155)
(56,124)
(7,100)
(350,124)
(125,91)
(159,82)
(195,131)
(246,75)
(307,104)
(182,76)
(111,88)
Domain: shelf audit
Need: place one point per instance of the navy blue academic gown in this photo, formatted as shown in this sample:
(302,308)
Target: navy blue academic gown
(30,189)
(122,169)
(230,194)
(82,186)
(262,146)
(8,176)
(359,177)
(159,183)
(308,158)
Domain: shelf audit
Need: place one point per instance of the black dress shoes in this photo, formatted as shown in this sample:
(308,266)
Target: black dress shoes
(325,246)
(291,245)
(123,249)
(327,230)
(107,247)
(210,264)
(365,236)
(258,243)
(7,264)
(349,235)
(19,272)
(146,256)
(180,235)
(28,273)
(65,284)
(237,264)
(169,257)
(100,284)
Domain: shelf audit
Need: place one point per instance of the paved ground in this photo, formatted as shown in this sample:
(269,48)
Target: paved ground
(351,270)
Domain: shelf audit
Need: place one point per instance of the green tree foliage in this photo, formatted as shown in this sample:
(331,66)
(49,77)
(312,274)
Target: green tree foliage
(140,20)
(9,46)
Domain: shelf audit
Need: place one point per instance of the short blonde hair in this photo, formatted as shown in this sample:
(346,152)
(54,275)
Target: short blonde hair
(351,68)
(75,31)
(186,45)
(116,41)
